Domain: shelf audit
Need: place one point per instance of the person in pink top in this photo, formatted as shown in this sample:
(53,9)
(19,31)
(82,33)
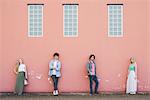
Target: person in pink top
(91,68)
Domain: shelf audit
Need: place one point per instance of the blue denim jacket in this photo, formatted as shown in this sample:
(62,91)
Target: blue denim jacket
(58,68)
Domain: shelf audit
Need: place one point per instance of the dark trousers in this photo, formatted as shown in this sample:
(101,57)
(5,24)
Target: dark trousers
(55,82)
(93,78)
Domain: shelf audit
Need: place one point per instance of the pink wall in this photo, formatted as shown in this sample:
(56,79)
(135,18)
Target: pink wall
(148,36)
(112,54)
(0,41)
(0,33)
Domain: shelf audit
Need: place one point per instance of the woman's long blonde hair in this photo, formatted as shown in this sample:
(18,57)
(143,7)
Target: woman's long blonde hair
(17,65)
(132,60)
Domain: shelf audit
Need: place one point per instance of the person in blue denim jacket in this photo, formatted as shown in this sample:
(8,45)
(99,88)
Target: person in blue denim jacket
(55,72)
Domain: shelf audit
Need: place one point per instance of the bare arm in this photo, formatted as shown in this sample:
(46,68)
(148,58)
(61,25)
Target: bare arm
(16,69)
(136,70)
(26,73)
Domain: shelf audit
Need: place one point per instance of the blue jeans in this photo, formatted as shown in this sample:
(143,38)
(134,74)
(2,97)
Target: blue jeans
(93,78)
(55,81)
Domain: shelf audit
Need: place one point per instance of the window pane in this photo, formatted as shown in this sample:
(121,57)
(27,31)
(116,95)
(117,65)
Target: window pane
(35,13)
(115,15)
(70,20)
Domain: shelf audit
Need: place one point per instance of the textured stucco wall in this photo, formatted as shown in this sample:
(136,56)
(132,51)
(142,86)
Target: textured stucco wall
(112,54)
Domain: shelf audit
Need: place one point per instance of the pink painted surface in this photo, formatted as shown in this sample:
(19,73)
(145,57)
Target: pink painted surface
(0,42)
(148,27)
(112,54)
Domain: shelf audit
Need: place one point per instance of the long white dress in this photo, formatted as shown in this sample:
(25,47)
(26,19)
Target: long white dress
(132,79)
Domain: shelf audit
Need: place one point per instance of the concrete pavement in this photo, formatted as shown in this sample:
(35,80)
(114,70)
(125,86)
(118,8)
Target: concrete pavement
(76,97)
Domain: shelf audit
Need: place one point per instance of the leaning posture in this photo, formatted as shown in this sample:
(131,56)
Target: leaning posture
(21,72)
(55,72)
(91,68)
(132,77)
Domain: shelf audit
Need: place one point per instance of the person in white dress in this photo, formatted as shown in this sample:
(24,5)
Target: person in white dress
(131,87)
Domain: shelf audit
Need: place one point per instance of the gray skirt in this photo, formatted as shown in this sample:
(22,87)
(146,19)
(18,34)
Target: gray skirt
(20,83)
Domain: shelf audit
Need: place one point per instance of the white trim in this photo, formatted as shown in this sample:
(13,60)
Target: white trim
(64,24)
(121,35)
(32,36)
(121,20)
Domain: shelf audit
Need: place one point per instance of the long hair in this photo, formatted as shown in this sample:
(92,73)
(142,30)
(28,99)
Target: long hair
(132,61)
(17,65)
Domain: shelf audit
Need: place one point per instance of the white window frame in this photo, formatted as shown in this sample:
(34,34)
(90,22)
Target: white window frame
(64,22)
(29,35)
(122,32)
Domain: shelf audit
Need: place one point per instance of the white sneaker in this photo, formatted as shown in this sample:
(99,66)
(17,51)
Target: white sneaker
(133,93)
(56,92)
